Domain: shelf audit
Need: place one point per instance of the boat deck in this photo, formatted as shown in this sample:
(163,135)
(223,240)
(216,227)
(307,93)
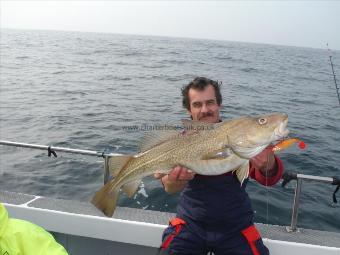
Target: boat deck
(136,226)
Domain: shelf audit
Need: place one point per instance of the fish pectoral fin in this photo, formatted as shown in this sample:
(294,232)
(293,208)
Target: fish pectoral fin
(151,139)
(130,188)
(247,152)
(218,154)
(116,163)
(242,172)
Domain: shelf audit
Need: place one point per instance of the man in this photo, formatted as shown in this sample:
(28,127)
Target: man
(214,212)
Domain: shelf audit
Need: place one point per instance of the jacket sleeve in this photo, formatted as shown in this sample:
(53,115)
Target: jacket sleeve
(256,174)
(34,240)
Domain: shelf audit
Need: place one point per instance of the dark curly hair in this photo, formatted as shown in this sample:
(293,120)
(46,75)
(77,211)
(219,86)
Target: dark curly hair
(200,83)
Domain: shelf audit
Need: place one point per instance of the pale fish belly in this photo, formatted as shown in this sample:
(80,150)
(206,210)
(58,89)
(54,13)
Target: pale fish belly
(216,166)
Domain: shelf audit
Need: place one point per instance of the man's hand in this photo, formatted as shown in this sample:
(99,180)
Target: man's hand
(176,179)
(265,162)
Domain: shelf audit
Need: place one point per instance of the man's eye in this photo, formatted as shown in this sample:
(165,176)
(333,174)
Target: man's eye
(197,105)
(212,102)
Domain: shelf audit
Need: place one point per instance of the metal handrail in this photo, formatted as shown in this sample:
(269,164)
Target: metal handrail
(288,176)
(62,149)
(53,149)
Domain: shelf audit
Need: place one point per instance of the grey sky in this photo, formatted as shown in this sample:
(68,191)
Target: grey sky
(297,23)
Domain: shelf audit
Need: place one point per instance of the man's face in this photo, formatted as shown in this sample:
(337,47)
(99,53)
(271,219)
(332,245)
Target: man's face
(203,105)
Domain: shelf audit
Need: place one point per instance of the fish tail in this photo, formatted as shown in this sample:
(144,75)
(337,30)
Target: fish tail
(106,198)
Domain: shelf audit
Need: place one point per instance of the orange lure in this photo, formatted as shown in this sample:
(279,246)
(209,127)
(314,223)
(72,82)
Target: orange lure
(288,142)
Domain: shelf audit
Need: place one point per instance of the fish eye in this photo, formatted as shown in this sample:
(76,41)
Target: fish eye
(262,121)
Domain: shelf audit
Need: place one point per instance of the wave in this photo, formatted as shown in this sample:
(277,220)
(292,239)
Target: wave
(114,78)
(249,70)
(22,57)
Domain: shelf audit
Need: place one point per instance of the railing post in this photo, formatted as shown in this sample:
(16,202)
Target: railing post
(106,169)
(295,210)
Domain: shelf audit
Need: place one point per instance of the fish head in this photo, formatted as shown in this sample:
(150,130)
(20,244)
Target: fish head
(250,135)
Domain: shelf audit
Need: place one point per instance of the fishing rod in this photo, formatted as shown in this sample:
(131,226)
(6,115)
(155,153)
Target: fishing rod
(336,85)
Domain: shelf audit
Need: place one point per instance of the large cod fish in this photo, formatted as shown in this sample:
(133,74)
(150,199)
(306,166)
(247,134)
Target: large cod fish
(206,149)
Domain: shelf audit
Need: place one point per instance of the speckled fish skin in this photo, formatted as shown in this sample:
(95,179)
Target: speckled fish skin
(217,149)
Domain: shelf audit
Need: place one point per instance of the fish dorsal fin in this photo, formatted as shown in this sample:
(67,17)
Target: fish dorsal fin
(242,172)
(130,188)
(198,126)
(116,163)
(153,138)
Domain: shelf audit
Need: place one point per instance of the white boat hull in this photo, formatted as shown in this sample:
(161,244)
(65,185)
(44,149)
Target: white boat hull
(82,229)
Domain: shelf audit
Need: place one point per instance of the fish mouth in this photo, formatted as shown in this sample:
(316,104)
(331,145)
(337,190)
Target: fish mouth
(281,131)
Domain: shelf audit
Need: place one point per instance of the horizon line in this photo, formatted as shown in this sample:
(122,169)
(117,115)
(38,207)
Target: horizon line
(170,36)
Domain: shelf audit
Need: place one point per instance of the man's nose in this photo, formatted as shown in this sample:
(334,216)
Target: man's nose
(204,108)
